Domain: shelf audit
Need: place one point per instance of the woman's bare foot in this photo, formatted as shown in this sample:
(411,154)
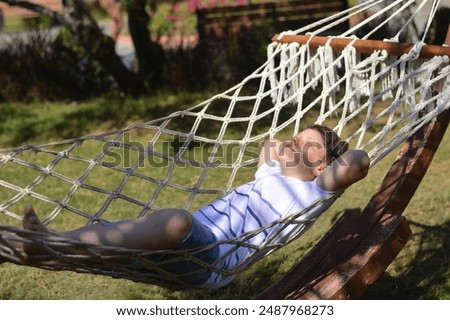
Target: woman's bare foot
(31,222)
(37,252)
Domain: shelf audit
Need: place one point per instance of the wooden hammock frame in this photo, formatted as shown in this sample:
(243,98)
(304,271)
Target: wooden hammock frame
(361,245)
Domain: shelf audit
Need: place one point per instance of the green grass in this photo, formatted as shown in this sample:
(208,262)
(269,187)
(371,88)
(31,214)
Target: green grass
(421,271)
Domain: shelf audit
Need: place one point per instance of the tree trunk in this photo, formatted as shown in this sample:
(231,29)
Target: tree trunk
(101,48)
(149,54)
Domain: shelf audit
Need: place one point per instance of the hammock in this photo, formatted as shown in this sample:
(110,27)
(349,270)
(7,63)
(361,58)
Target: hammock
(375,94)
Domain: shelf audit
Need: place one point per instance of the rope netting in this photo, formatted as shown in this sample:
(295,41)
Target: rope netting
(373,100)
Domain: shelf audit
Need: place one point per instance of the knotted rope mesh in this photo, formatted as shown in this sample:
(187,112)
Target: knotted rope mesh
(187,159)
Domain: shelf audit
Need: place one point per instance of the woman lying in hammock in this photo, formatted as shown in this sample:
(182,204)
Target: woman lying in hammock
(291,176)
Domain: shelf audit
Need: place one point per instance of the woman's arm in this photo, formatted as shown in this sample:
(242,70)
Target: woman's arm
(352,166)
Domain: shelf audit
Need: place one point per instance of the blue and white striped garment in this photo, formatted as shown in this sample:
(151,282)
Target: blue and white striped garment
(269,197)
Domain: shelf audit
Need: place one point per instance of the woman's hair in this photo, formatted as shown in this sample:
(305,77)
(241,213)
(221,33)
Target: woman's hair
(334,145)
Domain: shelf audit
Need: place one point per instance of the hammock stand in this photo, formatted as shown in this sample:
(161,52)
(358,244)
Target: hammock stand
(361,245)
(350,257)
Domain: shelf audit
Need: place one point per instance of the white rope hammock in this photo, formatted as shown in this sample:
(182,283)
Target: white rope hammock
(375,101)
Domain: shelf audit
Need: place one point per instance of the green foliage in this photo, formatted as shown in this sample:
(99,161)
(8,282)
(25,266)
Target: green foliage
(189,25)
(40,22)
(61,71)
(13,24)
(160,24)
(170,20)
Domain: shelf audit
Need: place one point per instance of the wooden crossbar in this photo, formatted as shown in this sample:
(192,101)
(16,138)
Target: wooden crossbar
(363,46)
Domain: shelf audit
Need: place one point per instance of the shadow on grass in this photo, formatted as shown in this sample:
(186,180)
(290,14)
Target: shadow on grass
(427,275)
(24,123)
(244,287)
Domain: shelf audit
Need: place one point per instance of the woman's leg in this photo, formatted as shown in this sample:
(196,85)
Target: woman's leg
(164,229)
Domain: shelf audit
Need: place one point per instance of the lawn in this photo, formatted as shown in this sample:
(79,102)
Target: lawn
(421,271)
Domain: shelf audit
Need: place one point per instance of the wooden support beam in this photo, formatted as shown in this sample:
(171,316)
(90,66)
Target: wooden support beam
(363,46)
